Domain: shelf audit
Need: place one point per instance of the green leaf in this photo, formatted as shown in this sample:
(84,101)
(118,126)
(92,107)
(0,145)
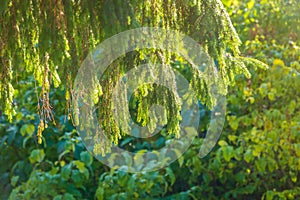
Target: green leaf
(293,176)
(180,161)
(297,149)
(86,173)
(58,197)
(171,175)
(68,196)
(27,129)
(76,177)
(86,157)
(100,193)
(37,155)
(261,164)
(228,152)
(248,156)
(80,165)
(66,171)
(222,143)
(14,180)
(257,150)
(269,195)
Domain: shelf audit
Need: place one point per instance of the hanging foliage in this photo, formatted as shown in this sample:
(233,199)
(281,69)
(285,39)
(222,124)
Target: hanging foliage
(50,39)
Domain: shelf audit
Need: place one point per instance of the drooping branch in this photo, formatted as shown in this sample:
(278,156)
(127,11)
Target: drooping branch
(50,39)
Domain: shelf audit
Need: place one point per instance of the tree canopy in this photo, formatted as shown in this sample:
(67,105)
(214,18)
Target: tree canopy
(50,39)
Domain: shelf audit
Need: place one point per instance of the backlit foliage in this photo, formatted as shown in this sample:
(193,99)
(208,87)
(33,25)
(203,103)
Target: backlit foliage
(50,39)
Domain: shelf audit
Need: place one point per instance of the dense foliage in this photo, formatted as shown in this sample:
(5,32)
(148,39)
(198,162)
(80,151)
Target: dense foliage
(51,40)
(256,157)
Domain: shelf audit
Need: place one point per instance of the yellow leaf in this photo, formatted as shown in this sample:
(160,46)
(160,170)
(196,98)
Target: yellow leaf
(278,62)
